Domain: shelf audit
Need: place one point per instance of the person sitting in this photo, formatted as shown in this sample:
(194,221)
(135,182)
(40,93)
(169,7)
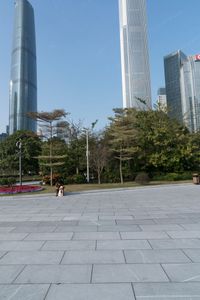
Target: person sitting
(57,188)
(61,191)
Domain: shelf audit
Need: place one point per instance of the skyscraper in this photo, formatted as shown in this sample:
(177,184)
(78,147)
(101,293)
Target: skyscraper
(134,54)
(182,79)
(162,99)
(23,83)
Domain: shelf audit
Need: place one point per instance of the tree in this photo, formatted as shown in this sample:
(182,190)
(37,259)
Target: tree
(31,147)
(121,134)
(98,154)
(51,124)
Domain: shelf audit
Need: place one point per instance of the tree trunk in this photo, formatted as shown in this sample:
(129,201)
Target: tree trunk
(99,177)
(120,170)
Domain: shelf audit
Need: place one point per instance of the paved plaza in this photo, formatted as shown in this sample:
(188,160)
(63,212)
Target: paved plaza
(141,243)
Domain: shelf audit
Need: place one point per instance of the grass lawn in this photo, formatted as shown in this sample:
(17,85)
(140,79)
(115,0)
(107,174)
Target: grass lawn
(90,187)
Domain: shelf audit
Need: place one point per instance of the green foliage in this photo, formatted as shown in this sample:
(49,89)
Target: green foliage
(7,181)
(9,156)
(75,179)
(173,176)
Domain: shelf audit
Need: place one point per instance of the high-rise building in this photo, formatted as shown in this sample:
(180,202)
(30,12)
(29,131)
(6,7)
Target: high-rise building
(162,99)
(23,83)
(134,54)
(182,80)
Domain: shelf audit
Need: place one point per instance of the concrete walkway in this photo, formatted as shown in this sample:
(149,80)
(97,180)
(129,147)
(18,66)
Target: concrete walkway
(107,245)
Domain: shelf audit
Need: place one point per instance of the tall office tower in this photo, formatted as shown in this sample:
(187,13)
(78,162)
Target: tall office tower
(162,99)
(192,92)
(182,79)
(134,54)
(23,83)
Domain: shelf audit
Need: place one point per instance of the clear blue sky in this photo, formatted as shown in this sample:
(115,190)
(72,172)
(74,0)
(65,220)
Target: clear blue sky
(78,52)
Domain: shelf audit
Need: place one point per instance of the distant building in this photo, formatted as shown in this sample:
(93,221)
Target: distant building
(23,83)
(162,99)
(134,54)
(182,79)
(3,136)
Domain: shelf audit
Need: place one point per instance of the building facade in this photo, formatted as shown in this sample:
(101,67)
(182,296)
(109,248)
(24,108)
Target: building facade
(23,82)
(162,99)
(182,79)
(134,54)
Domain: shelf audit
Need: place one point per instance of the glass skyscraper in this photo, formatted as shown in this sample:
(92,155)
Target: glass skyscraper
(23,83)
(134,54)
(182,79)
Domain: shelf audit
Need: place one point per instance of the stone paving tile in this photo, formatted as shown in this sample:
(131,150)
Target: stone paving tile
(9,273)
(175,244)
(121,291)
(33,229)
(155,256)
(192,226)
(20,245)
(97,223)
(193,254)
(136,222)
(184,234)
(161,227)
(6,229)
(123,244)
(23,292)
(76,229)
(183,272)
(167,291)
(55,274)
(21,224)
(179,221)
(119,217)
(114,228)
(93,257)
(32,258)
(96,236)
(49,236)
(69,245)
(12,236)
(58,223)
(144,235)
(128,273)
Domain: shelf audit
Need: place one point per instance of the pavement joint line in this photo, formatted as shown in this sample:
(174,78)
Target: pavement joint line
(132,286)
(47,291)
(187,255)
(24,239)
(123,251)
(62,257)
(166,273)
(150,244)
(44,242)
(24,266)
(91,275)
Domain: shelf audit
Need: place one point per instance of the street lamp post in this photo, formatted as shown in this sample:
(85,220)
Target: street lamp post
(87,155)
(87,130)
(19,146)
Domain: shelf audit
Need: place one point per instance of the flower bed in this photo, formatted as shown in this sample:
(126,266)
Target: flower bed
(20,189)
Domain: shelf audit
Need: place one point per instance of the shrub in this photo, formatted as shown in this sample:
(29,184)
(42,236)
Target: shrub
(142,178)
(7,181)
(173,176)
(77,178)
(55,178)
